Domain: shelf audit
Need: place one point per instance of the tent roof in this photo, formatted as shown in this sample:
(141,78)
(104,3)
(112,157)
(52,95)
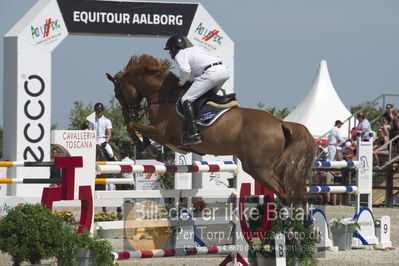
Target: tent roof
(321,107)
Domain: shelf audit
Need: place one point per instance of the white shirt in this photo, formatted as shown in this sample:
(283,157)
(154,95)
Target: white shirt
(100,126)
(335,136)
(365,124)
(192,61)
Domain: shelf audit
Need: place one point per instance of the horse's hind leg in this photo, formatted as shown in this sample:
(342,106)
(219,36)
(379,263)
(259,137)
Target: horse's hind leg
(265,176)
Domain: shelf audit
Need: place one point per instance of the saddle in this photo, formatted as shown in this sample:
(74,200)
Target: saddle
(207,108)
(212,99)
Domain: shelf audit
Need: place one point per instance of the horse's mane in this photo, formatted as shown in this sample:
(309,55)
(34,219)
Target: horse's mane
(147,64)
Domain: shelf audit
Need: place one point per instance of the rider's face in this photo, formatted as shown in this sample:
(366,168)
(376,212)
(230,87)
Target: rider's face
(173,52)
(99,113)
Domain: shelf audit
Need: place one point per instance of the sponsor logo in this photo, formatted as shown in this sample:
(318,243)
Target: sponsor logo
(47,33)
(35,92)
(207,35)
(11,203)
(43,31)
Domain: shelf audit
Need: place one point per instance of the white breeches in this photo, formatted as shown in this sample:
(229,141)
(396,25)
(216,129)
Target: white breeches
(213,77)
(108,148)
(332,151)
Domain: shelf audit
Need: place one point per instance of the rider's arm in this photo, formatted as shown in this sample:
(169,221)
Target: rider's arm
(184,66)
(109,134)
(108,131)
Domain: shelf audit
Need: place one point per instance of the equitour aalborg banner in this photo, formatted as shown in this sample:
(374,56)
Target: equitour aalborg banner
(127,18)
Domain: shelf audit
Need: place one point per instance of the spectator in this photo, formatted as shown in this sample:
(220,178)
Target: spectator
(328,179)
(387,116)
(394,132)
(350,147)
(55,173)
(381,141)
(127,159)
(364,126)
(335,141)
(394,125)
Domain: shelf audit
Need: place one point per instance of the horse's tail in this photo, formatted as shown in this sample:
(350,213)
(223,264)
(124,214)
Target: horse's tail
(294,167)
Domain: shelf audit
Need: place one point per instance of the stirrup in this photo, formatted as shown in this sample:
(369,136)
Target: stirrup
(193,139)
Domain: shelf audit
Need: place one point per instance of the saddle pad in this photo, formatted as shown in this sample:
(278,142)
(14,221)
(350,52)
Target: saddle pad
(207,115)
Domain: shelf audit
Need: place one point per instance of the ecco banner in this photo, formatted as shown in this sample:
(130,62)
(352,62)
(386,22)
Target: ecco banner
(136,18)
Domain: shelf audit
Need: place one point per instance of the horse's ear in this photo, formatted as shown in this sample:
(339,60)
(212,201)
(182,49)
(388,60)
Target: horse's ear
(111,78)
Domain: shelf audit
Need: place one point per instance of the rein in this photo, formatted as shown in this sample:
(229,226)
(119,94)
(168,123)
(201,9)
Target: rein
(135,109)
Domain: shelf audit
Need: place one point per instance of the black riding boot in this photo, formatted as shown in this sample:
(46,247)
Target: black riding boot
(193,137)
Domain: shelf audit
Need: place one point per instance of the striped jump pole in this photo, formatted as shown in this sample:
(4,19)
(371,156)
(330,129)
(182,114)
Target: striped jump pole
(336,164)
(98,181)
(25,164)
(159,253)
(332,189)
(130,163)
(213,162)
(28,181)
(139,169)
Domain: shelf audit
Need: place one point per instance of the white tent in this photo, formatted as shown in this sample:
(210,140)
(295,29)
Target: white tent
(321,107)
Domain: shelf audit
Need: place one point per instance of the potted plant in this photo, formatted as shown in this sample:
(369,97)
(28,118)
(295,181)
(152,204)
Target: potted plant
(30,233)
(298,250)
(262,252)
(198,205)
(84,249)
(105,217)
(342,230)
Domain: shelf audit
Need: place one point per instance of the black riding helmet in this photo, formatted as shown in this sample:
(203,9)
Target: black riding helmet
(98,107)
(176,41)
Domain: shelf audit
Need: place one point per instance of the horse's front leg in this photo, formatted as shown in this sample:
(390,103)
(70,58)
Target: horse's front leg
(149,131)
(145,147)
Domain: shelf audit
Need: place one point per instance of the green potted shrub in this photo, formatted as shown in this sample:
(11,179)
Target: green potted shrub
(298,251)
(84,249)
(30,233)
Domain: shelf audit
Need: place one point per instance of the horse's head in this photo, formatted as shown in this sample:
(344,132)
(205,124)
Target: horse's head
(143,77)
(127,95)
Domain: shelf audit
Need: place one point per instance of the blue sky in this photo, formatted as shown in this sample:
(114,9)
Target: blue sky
(278,47)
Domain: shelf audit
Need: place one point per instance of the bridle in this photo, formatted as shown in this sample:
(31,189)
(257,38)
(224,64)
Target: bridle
(133,110)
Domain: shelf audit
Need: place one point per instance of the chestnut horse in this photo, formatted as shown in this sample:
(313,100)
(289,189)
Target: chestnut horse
(278,154)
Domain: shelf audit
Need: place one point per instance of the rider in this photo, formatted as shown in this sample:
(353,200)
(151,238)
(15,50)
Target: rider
(207,71)
(103,128)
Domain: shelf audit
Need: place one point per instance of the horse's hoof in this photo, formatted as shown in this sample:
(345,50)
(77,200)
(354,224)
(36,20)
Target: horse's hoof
(150,152)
